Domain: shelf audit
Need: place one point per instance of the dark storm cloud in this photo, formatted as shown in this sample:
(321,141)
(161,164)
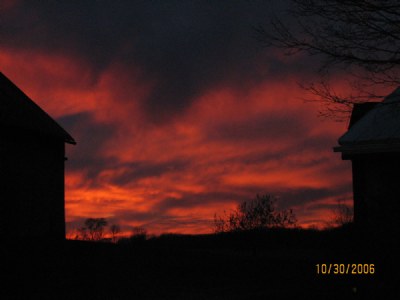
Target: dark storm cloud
(294,197)
(190,200)
(182,47)
(137,216)
(274,127)
(144,169)
(90,136)
(167,222)
(280,128)
(170,223)
(286,198)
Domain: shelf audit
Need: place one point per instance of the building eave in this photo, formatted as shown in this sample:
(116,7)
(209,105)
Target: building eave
(368,148)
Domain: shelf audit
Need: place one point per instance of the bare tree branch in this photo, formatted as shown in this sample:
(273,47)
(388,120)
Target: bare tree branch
(361,37)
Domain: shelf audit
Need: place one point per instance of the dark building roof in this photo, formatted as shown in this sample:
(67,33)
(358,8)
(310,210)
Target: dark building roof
(374,127)
(19,112)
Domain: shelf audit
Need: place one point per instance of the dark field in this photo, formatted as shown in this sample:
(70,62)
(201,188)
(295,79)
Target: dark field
(278,264)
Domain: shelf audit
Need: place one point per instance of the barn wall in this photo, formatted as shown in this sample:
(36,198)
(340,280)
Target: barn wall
(32,173)
(376,186)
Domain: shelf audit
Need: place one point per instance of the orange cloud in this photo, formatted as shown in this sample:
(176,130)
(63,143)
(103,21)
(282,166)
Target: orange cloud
(228,145)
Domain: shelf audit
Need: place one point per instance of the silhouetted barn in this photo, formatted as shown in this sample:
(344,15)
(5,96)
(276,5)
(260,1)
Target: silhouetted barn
(372,143)
(32,155)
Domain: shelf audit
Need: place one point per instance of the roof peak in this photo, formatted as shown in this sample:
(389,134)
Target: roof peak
(18,111)
(377,130)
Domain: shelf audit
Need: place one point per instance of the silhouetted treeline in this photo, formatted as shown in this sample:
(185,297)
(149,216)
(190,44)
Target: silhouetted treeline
(252,264)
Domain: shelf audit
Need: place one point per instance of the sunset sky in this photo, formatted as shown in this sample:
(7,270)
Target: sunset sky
(178,111)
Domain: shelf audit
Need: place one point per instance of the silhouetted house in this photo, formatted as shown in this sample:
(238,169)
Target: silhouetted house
(32,155)
(372,143)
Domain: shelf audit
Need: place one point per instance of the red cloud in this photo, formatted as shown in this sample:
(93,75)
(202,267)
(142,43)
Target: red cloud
(228,145)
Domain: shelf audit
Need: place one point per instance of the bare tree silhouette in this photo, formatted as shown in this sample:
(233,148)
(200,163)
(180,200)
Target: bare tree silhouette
(139,233)
(114,229)
(361,37)
(95,228)
(259,213)
(343,215)
(82,234)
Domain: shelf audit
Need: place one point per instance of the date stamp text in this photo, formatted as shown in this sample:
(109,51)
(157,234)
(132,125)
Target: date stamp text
(343,269)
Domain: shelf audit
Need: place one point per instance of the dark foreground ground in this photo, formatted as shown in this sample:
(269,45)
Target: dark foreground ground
(255,265)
